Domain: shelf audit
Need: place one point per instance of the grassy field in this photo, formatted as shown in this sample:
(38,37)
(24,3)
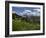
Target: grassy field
(23,25)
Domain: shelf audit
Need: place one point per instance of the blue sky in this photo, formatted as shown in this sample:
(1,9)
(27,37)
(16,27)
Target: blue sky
(19,10)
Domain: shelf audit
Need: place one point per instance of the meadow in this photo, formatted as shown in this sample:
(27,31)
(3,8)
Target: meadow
(19,24)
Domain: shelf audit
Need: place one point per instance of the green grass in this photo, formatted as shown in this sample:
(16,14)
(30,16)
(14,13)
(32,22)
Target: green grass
(22,25)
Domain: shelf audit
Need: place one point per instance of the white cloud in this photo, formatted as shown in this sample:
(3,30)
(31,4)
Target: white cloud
(37,9)
(28,13)
(25,12)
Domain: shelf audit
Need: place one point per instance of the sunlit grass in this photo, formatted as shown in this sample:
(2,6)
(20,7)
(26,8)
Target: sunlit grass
(21,25)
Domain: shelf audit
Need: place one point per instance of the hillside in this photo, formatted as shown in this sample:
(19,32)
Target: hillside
(20,24)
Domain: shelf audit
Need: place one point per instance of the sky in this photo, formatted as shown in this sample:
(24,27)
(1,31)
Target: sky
(28,10)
